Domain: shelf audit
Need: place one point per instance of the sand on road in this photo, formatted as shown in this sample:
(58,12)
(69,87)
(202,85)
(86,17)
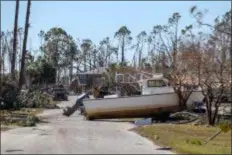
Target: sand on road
(75,135)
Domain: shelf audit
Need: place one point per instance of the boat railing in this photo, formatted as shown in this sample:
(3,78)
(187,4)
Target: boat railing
(136,87)
(127,77)
(131,78)
(119,78)
(143,76)
(148,75)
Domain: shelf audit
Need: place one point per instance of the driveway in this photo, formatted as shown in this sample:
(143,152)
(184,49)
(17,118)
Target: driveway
(74,135)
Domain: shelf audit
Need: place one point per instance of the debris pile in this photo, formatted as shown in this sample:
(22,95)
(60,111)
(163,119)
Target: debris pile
(183,117)
(36,99)
(143,122)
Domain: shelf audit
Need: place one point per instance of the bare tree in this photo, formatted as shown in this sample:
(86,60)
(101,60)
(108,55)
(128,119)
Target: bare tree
(1,56)
(21,77)
(5,49)
(215,69)
(15,39)
(106,51)
(19,51)
(215,81)
(142,37)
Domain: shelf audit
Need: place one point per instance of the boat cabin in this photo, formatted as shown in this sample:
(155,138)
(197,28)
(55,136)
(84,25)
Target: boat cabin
(155,85)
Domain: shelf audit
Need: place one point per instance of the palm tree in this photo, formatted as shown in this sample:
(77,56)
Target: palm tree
(15,39)
(174,21)
(141,39)
(24,44)
(86,46)
(123,35)
(41,35)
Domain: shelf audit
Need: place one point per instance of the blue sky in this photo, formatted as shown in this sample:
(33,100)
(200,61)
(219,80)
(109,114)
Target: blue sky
(96,20)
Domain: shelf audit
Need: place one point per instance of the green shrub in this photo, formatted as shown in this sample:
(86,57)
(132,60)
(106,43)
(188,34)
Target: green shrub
(225,126)
(12,98)
(9,94)
(31,120)
(26,123)
(194,141)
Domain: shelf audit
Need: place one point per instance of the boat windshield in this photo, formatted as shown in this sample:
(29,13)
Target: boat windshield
(156,83)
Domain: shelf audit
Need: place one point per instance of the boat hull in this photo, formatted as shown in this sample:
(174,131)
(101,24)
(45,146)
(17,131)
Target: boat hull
(128,107)
(195,96)
(135,106)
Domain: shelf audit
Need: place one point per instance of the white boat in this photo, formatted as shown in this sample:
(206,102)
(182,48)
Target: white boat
(157,97)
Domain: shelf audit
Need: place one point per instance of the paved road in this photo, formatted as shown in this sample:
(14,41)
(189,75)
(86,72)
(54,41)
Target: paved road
(62,135)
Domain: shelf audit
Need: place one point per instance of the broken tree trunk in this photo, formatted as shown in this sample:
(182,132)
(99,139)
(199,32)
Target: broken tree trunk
(212,137)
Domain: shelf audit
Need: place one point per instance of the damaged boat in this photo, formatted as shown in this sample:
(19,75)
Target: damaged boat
(157,98)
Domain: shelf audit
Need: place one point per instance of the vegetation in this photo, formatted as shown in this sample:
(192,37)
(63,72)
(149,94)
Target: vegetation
(31,120)
(214,68)
(187,138)
(124,38)
(35,99)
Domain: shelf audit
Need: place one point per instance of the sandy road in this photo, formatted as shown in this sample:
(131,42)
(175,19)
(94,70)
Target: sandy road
(74,135)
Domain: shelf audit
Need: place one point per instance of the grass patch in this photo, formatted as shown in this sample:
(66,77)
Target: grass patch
(187,138)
